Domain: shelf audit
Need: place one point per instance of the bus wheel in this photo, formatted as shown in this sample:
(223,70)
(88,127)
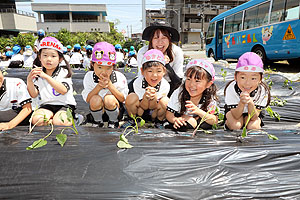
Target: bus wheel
(261,52)
(294,62)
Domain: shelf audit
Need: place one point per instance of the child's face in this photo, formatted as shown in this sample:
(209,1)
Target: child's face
(1,78)
(102,69)
(195,87)
(154,74)
(49,58)
(248,81)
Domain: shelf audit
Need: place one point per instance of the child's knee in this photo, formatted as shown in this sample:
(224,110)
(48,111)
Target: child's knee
(110,102)
(254,124)
(96,102)
(60,119)
(41,117)
(192,121)
(131,98)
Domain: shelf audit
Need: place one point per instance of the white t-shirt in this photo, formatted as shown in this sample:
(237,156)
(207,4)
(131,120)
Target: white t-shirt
(13,94)
(177,63)
(133,62)
(63,63)
(37,44)
(28,61)
(17,57)
(232,98)
(4,64)
(90,81)
(140,85)
(87,62)
(119,57)
(76,58)
(174,104)
(47,94)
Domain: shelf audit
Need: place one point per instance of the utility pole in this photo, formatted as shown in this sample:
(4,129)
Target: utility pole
(143,14)
(202,26)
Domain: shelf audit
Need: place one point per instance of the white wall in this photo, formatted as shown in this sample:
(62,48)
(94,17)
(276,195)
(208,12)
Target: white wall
(12,21)
(74,26)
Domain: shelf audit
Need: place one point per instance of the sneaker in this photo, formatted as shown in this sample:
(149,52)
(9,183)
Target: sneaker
(98,124)
(79,119)
(113,124)
(159,124)
(130,122)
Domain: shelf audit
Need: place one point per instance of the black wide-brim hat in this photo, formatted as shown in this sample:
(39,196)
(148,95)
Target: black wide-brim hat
(161,25)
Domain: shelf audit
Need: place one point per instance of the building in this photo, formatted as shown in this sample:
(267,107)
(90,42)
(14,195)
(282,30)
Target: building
(191,17)
(13,21)
(74,17)
(154,15)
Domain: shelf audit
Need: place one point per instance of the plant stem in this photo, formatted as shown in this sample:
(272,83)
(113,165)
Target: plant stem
(203,119)
(68,128)
(128,133)
(52,128)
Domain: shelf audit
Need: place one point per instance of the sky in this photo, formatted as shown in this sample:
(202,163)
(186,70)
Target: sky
(128,12)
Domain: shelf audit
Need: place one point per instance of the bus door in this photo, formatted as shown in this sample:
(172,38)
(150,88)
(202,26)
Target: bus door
(219,36)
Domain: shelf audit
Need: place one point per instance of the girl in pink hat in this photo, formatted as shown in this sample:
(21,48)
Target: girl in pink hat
(51,84)
(246,94)
(196,96)
(105,89)
(148,95)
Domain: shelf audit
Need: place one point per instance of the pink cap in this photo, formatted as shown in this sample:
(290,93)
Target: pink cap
(104,53)
(154,55)
(203,64)
(250,62)
(51,43)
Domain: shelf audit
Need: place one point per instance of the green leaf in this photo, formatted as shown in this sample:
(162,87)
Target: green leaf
(123,145)
(214,126)
(272,137)
(123,138)
(69,115)
(244,134)
(221,116)
(142,123)
(61,139)
(37,144)
(61,118)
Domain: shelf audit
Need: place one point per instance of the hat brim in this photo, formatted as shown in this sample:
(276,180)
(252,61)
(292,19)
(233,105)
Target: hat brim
(250,68)
(173,32)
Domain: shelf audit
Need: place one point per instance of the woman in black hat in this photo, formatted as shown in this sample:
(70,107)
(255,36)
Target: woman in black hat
(160,36)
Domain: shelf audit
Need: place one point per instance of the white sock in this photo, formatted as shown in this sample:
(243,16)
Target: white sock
(97,115)
(113,114)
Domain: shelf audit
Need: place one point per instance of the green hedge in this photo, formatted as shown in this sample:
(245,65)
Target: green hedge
(68,38)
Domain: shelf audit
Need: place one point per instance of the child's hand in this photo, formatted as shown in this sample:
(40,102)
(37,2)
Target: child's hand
(192,108)
(245,97)
(37,72)
(104,80)
(150,93)
(178,122)
(4,126)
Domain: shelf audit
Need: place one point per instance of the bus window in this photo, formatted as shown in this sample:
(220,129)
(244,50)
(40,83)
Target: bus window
(250,18)
(263,14)
(277,11)
(292,10)
(237,23)
(233,23)
(228,24)
(211,31)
